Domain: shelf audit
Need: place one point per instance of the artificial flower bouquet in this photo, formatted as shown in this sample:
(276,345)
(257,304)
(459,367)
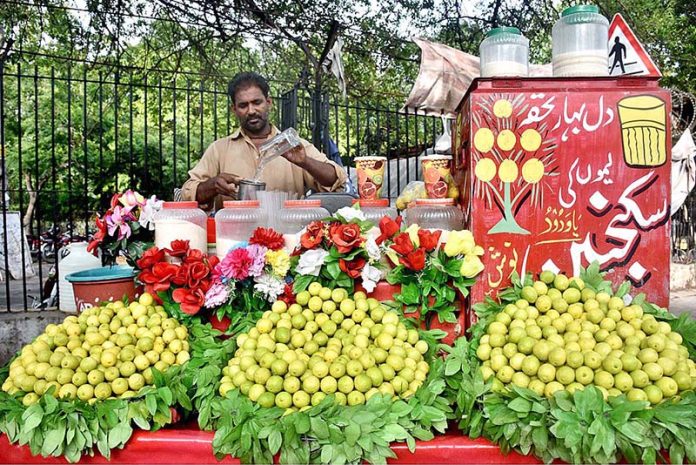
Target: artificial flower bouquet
(431,272)
(251,276)
(179,275)
(339,251)
(126,229)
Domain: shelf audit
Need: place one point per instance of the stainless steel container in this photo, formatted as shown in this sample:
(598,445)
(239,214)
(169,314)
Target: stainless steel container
(248,189)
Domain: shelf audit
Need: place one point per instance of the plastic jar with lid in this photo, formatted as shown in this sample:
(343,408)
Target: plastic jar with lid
(181,221)
(235,224)
(436,214)
(504,52)
(374,211)
(295,216)
(580,42)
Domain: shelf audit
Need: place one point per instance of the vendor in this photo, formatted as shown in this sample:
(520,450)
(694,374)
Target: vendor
(232,158)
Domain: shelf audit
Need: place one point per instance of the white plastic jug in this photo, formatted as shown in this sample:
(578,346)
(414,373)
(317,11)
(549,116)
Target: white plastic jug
(77,260)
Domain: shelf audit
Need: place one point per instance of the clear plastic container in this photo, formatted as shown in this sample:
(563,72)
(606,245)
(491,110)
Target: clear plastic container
(374,211)
(436,214)
(235,223)
(295,216)
(181,221)
(580,42)
(504,52)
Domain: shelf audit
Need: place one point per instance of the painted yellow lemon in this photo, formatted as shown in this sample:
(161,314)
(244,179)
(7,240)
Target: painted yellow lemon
(483,140)
(506,140)
(502,108)
(530,140)
(485,169)
(508,171)
(533,170)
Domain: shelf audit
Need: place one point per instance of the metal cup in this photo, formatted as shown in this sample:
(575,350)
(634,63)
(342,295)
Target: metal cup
(248,189)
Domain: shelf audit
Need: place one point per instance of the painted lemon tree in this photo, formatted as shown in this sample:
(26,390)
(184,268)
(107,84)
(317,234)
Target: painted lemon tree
(512,164)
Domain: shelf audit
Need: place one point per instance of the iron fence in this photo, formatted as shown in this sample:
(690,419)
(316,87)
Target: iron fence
(72,135)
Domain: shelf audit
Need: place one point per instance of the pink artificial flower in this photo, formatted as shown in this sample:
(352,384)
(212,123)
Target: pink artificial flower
(131,199)
(258,257)
(118,220)
(235,265)
(217,295)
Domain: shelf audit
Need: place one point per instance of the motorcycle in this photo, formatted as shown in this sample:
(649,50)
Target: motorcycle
(49,291)
(53,242)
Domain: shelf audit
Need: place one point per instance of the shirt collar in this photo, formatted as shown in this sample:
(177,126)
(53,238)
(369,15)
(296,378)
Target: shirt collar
(239,133)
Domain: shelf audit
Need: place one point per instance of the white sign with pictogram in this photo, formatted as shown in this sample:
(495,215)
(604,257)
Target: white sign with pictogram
(627,56)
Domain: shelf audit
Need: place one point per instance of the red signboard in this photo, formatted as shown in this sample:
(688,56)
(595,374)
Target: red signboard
(557,174)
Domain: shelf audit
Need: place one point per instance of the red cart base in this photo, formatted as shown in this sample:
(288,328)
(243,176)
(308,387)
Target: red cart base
(187,444)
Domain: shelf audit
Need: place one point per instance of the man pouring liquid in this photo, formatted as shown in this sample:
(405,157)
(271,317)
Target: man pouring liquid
(228,160)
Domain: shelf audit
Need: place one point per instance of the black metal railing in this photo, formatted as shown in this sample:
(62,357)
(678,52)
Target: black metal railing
(72,135)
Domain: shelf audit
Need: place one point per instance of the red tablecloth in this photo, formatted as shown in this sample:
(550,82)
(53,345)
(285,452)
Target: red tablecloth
(187,444)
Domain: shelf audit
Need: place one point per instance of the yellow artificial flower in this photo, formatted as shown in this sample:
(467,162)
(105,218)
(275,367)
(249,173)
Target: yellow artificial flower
(392,256)
(279,261)
(413,234)
(471,266)
(460,243)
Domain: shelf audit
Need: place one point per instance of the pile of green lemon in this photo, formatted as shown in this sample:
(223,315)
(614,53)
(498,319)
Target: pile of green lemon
(326,344)
(562,335)
(104,352)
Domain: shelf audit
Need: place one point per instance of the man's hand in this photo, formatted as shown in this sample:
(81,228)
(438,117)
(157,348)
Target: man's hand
(297,156)
(223,184)
(323,173)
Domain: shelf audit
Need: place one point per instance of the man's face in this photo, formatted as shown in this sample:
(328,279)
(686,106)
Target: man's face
(252,108)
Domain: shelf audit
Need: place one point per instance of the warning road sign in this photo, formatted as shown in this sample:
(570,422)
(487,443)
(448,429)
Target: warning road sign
(627,56)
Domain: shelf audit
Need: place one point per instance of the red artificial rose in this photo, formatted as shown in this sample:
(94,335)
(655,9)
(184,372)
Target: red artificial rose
(268,238)
(213,260)
(194,256)
(402,244)
(181,276)
(345,237)
(196,273)
(414,260)
(159,277)
(353,267)
(150,257)
(190,300)
(179,248)
(428,239)
(313,236)
(388,228)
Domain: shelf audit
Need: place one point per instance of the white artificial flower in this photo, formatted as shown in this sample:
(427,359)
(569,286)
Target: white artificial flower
(372,249)
(349,214)
(269,286)
(370,275)
(311,261)
(147,212)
